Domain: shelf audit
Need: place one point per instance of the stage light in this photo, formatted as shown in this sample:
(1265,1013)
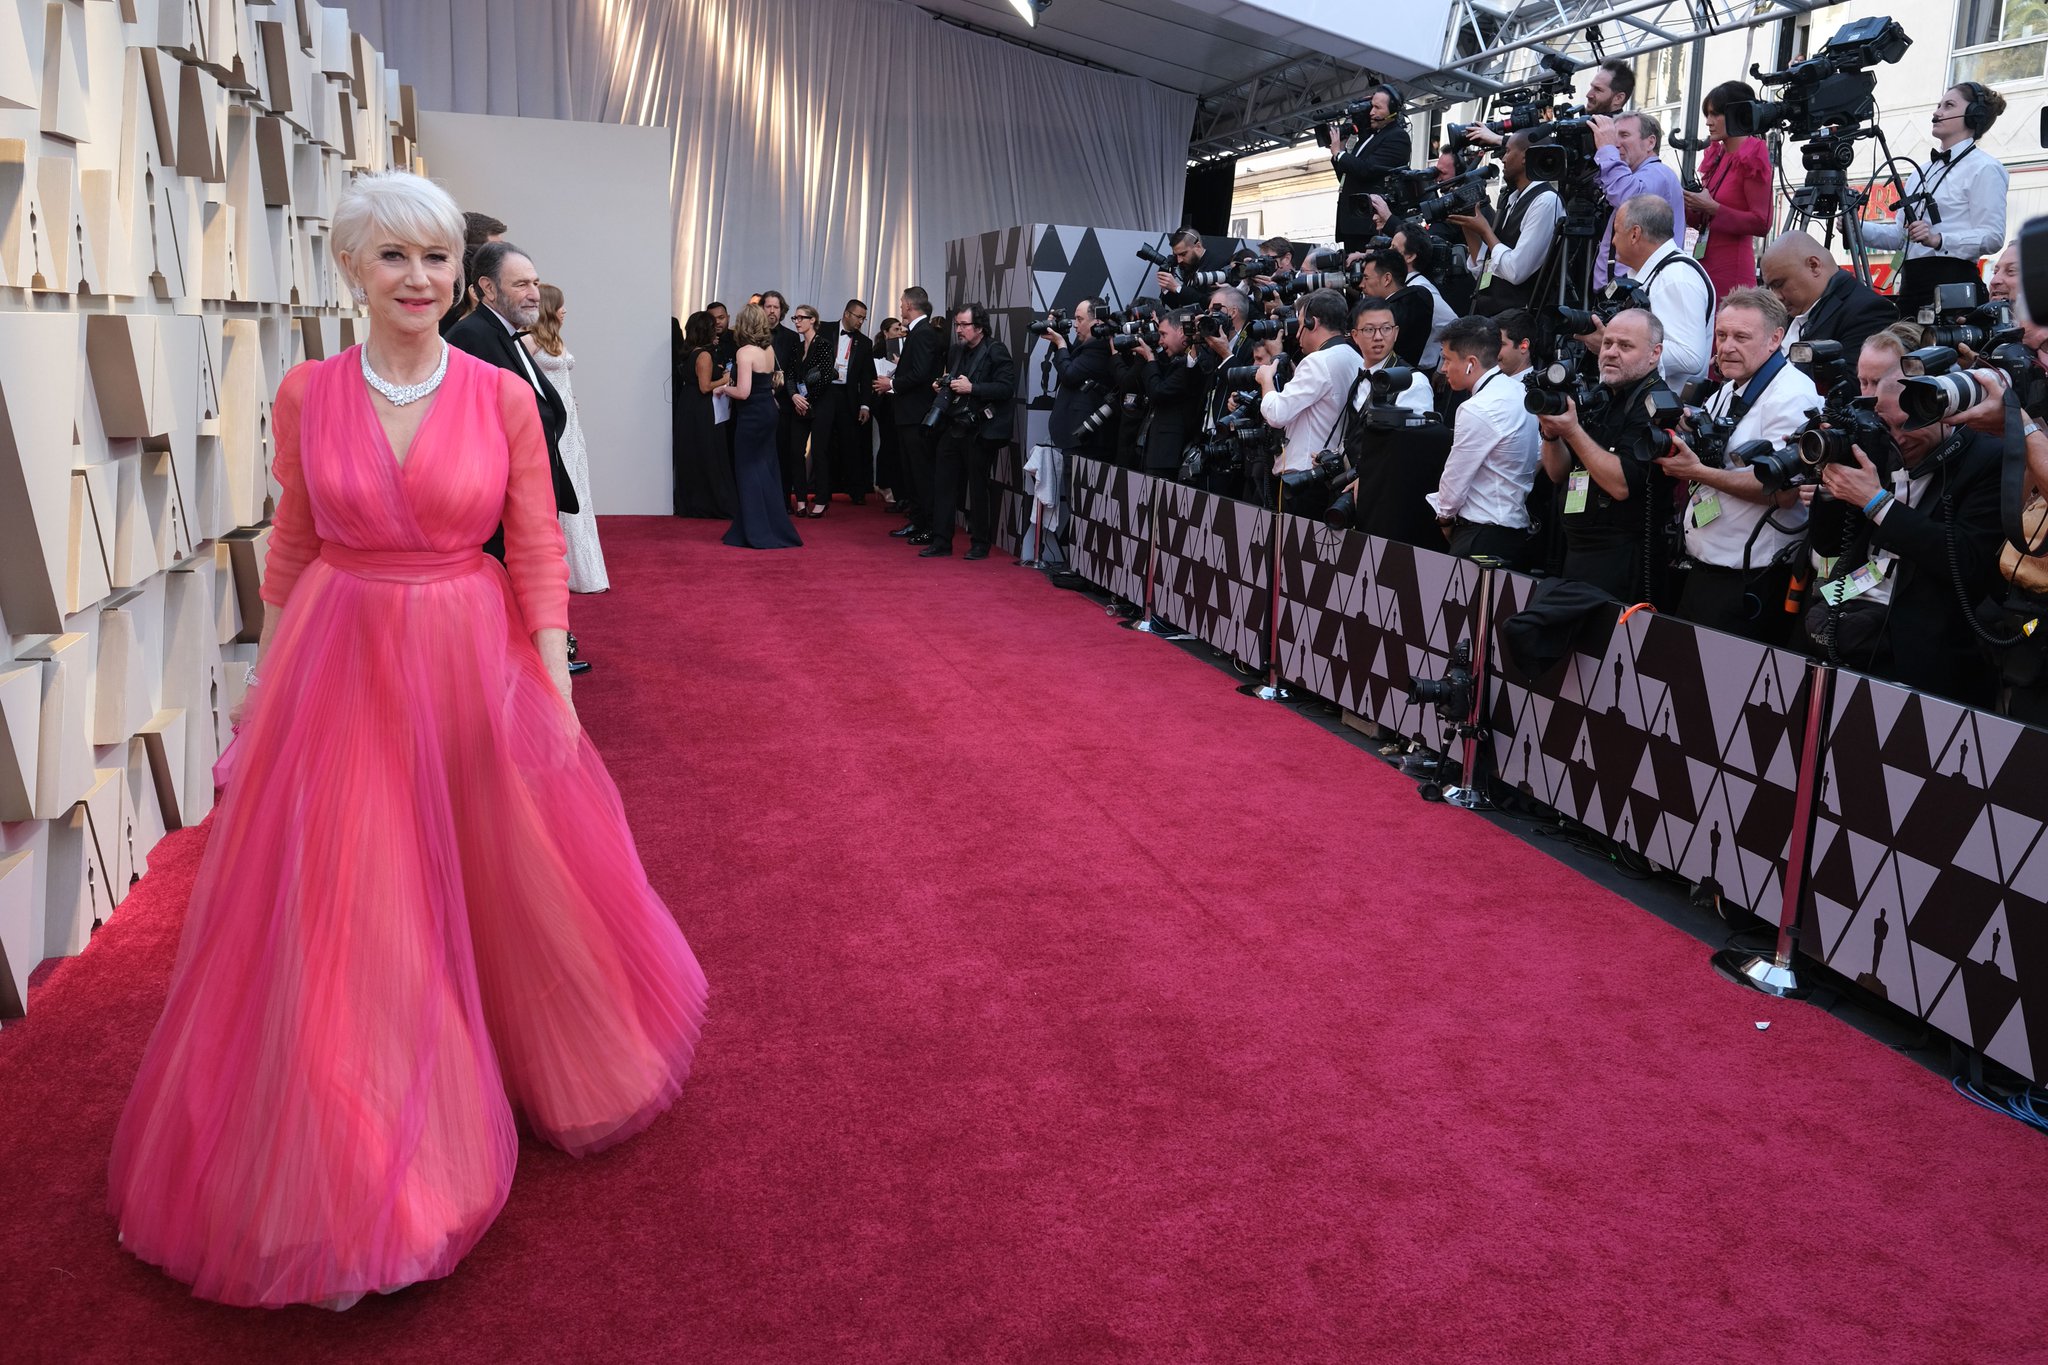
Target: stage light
(1029,10)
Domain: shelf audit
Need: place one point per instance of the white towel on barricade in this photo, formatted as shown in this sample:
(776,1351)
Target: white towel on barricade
(1044,477)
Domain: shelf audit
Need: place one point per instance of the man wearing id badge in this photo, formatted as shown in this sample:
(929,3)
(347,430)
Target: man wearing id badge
(1612,492)
(1741,540)
(1904,554)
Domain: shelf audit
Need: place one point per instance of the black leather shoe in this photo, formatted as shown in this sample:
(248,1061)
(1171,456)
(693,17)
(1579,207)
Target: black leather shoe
(907,529)
(860,500)
(934,552)
(976,552)
(918,538)
(897,508)
(578,666)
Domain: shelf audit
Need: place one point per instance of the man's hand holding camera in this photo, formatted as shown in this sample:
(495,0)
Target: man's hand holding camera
(961,384)
(1682,463)
(1560,428)
(1856,485)
(1169,283)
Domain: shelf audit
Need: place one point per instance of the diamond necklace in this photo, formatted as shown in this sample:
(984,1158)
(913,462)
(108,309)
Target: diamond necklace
(398,395)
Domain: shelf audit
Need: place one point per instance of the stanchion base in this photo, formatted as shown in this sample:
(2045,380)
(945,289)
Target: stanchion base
(1466,798)
(1152,625)
(1761,971)
(1265,691)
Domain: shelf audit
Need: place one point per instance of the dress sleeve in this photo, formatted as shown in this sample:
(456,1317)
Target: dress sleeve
(294,543)
(1746,208)
(535,554)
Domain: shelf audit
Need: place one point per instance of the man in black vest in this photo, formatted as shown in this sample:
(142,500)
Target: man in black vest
(1516,262)
(982,380)
(1380,146)
(508,287)
(912,389)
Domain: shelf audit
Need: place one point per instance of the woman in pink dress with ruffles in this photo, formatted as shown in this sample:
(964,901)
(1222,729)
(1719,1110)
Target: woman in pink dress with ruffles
(1733,206)
(421,918)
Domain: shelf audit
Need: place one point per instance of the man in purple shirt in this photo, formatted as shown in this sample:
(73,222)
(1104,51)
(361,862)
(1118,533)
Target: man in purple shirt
(1625,158)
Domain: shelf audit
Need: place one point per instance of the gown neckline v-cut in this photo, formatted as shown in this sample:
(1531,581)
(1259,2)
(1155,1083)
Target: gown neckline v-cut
(433,401)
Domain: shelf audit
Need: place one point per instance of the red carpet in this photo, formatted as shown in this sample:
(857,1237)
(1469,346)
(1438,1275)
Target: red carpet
(1068,1007)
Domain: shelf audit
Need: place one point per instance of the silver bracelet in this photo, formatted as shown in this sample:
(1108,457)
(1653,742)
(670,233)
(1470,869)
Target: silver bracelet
(249,678)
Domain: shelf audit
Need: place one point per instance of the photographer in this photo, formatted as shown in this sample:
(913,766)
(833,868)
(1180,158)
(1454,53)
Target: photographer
(1912,554)
(977,389)
(1189,253)
(1613,501)
(1384,275)
(1514,262)
(1309,408)
(1481,501)
(1612,86)
(1681,294)
(1953,213)
(1742,540)
(1379,144)
(1423,256)
(1626,160)
(1087,380)
(1383,466)
(1174,380)
(1827,303)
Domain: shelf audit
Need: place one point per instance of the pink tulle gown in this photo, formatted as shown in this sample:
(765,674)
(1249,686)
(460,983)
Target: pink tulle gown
(421,914)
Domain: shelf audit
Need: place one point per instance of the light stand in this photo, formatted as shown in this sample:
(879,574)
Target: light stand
(1272,689)
(1775,974)
(1145,623)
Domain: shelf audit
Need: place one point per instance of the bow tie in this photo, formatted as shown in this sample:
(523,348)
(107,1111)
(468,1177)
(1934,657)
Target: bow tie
(522,332)
(1939,155)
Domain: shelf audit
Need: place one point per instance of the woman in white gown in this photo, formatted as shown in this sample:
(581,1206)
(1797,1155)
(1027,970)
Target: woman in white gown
(586,556)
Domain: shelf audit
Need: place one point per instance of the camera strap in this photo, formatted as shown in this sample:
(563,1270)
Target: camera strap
(2013,480)
(1739,406)
(1707,279)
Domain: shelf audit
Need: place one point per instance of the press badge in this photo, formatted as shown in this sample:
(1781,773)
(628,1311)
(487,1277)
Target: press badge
(1575,490)
(1705,509)
(1699,246)
(1862,580)
(1486,272)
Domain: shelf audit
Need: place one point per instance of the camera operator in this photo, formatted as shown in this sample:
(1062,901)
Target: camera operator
(1612,86)
(1742,540)
(1309,408)
(1087,380)
(1912,559)
(1481,500)
(1613,501)
(1681,293)
(1175,378)
(979,384)
(1190,251)
(1827,303)
(1626,160)
(1424,256)
(1953,213)
(1373,330)
(1384,275)
(1379,144)
(1514,262)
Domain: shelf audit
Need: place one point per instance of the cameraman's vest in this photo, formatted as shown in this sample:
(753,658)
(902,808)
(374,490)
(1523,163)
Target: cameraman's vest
(1500,295)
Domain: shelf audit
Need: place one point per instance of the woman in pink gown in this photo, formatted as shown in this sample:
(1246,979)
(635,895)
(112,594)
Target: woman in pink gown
(1732,207)
(421,917)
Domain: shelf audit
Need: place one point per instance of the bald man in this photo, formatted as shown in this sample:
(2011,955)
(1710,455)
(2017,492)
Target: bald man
(1827,303)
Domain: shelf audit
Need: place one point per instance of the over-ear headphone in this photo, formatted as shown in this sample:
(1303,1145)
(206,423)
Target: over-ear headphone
(1395,118)
(1976,114)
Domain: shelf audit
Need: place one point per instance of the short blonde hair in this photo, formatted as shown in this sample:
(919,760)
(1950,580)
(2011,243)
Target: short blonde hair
(407,207)
(1775,315)
(752,327)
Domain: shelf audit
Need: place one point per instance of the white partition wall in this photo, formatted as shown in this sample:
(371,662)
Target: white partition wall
(590,201)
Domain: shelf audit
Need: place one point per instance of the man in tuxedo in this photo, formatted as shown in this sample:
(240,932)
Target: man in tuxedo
(508,288)
(1379,145)
(912,388)
(982,380)
(839,406)
(1827,303)
(724,347)
(788,349)
(477,229)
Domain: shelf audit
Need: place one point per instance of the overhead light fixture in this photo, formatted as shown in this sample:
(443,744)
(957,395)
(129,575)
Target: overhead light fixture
(1029,10)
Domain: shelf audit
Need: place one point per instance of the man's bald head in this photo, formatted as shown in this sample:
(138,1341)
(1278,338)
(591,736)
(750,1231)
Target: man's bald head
(1797,269)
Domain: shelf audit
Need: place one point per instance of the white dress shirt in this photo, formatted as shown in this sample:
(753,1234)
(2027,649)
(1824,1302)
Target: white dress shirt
(1308,408)
(1774,415)
(1495,449)
(531,377)
(1519,263)
(1682,297)
(1417,398)
(1440,315)
(1970,190)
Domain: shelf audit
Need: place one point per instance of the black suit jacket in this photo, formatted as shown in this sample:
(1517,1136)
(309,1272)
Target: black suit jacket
(483,335)
(994,376)
(1087,376)
(860,363)
(1848,311)
(1361,171)
(1415,313)
(788,349)
(922,361)
(1175,390)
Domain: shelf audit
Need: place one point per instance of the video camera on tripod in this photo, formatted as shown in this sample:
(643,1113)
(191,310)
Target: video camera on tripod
(1459,195)
(1525,106)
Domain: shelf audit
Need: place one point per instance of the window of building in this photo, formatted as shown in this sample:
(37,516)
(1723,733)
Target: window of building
(2000,41)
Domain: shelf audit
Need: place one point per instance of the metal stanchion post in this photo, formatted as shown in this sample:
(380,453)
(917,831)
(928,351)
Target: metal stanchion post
(1145,622)
(1271,689)
(1037,560)
(1467,793)
(1775,974)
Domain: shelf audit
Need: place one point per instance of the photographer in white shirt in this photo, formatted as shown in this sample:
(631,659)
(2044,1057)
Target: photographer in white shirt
(1481,499)
(1741,541)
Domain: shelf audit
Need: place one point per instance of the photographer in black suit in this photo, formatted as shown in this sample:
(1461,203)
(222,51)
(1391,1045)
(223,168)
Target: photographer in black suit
(912,388)
(1087,380)
(1175,380)
(1378,144)
(508,287)
(974,419)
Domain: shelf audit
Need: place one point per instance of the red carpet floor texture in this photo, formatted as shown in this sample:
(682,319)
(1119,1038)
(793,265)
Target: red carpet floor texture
(1068,1007)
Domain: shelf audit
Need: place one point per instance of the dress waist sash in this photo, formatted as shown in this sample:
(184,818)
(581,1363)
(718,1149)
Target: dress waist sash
(403,566)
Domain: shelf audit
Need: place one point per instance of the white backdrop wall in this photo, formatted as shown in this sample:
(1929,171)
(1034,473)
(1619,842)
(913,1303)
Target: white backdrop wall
(603,261)
(828,148)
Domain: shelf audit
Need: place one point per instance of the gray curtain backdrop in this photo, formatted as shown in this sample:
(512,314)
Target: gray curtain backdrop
(828,148)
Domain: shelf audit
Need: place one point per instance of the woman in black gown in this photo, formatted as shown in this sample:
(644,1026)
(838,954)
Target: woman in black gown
(703,462)
(760,516)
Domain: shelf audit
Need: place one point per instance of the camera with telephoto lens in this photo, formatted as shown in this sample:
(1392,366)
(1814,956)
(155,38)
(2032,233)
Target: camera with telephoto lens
(1213,322)
(1552,388)
(1459,195)
(1097,419)
(1830,89)
(1328,470)
(1957,319)
(946,404)
(1053,321)
(1142,327)
(1247,268)
(1707,436)
(1451,694)
(1404,190)
(1160,260)
(1265,329)
(1306,281)
(1934,390)
(1237,376)
(1830,436)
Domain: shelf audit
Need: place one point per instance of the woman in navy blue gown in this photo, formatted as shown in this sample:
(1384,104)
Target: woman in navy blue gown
(761,517)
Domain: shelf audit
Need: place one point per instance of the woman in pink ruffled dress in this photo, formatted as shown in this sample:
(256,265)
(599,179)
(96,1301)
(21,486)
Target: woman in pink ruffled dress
(1732,207)
(421,919)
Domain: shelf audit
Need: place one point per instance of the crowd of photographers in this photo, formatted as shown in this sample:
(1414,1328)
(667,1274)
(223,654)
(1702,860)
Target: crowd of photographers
(1549,379)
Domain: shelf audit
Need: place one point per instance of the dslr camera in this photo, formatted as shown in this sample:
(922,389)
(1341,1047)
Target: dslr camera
(1552,387)
(1847,421)
(1957,319)
(1053,321)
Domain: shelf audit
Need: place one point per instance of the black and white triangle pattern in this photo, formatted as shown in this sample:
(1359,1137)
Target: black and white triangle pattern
(1214,566)
(1110,532)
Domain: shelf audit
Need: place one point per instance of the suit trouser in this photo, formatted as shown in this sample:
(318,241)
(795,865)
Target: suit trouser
(833,435)
(789,446)
(1472,539)
(963,457)
(915,443)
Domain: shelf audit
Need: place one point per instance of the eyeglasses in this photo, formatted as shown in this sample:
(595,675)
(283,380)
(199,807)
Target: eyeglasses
(1384,329)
